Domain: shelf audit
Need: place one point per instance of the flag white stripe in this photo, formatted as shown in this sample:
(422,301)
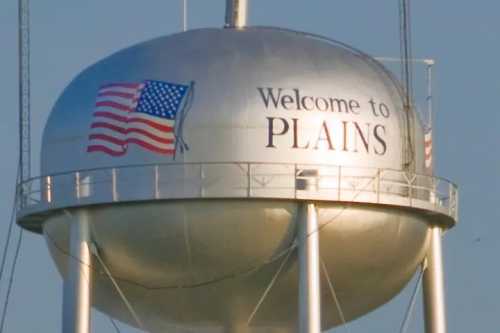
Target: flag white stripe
(118,147)
(151,141)
(108,132)
(110,145)
(119,90)
(157,120)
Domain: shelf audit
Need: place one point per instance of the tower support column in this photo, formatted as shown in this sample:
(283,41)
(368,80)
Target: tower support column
(433,289)
(309,270)
(77,283)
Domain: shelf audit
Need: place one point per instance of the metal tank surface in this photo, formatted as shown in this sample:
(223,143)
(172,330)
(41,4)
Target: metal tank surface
(195,215)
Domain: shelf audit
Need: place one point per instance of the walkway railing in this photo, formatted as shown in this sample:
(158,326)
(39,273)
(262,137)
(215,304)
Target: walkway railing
(238,180)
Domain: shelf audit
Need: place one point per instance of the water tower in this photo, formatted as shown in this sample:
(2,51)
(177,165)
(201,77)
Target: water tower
(230,179)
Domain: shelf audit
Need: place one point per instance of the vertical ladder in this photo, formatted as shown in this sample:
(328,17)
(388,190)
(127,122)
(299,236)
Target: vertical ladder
(24,92)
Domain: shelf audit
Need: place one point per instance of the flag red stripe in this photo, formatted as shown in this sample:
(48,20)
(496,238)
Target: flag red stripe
(115,98)
(123,119)
(109,126)
(117,141)
(159,127)
(104,149)
(150,146)
(105,137)
(115,105)
(123,130)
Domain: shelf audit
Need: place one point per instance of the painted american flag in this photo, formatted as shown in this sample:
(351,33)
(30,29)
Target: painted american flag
(428,149)
(138,113)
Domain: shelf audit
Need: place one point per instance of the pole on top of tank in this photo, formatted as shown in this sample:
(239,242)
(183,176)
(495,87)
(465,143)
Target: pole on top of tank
(236,13)
(184,15)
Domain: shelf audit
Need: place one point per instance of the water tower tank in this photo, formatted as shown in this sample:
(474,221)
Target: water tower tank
(190,155)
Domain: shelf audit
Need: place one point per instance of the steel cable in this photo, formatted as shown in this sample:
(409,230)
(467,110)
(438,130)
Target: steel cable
(129,306)
(268,289)
(9,232)
(115,326)
(411,305)
(5,253)
(11,280)
(334,295)
(7,243)
(24,158)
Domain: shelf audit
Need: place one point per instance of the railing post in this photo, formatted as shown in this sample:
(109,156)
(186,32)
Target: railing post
(339,183)
(157,181)
(202,192)
(48,189)
(453,201)
(248,181)
(295,172)
(77,186)
(410,190)
(433,195)
(379,171)
(113,185)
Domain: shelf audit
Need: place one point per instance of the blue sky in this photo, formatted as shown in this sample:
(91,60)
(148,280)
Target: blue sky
(462,36)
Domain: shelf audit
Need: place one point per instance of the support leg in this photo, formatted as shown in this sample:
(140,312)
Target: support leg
(77,284)
(236,328)
(434,300)
(309,270)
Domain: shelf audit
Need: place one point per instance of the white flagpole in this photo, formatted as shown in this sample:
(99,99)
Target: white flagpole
(429,93)
(430,127)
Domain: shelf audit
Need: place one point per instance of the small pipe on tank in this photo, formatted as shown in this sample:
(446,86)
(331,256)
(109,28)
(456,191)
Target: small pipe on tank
(236,13)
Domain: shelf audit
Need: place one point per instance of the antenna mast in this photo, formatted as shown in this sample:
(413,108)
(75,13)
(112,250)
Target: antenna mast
(24,92)
(406,72)
(184,15)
